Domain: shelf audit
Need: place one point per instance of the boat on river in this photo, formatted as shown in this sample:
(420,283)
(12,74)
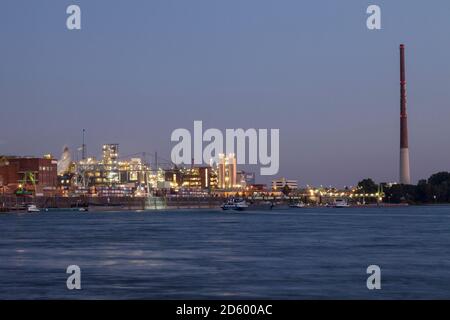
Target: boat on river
(237,204)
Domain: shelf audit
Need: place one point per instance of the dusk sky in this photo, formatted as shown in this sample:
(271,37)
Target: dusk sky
(140,69)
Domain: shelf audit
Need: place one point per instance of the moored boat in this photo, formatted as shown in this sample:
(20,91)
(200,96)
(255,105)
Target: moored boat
(237,204)
(33,208)
(297,205)
(340,203)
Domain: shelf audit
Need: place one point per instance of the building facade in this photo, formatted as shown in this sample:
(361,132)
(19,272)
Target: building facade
(28,174)
(204,177)
(227,171)
(110,163)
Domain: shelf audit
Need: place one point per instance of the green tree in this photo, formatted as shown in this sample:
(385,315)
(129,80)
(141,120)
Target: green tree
(368,186)
(440,186)
(434,190)
(401,193)
(424,192)
(286,190)
(439,178)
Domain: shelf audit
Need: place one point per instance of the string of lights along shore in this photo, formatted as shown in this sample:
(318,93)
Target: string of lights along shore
(405,177)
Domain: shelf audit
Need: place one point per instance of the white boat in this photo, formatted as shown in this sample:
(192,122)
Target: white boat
(340,203)
(297,205)
(33,208)
(236,204)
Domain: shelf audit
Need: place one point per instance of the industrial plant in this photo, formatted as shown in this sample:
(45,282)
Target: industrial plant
(147,181)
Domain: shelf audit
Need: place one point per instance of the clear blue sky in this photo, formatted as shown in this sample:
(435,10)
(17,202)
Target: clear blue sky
(140,69)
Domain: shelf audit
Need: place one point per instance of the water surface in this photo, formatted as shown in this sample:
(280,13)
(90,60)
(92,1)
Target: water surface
(209,254)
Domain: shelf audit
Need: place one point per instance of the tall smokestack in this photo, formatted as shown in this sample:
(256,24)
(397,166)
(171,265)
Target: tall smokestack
(405,177)
(83,148)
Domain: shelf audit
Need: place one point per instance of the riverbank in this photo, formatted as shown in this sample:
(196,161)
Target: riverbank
(14,204)
(10,204)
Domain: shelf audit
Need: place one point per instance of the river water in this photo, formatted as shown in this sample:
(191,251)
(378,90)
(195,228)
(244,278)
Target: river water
(209,254)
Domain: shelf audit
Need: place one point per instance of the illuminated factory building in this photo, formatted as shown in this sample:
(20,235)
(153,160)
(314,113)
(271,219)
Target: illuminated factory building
(227,171)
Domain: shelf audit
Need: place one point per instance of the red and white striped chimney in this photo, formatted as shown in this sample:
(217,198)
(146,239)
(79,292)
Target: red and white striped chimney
(405,177)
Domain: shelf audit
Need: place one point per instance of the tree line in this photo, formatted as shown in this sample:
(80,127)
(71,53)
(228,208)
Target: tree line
(435,189)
